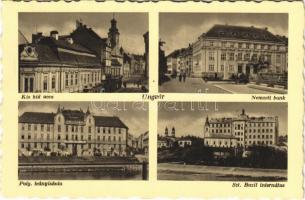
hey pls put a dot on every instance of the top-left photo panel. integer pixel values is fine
(83, 52)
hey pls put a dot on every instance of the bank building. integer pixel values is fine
(73, 132)
(227, 50)
(241, 131)
(77, 62)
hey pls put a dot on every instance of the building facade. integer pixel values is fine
(227, 50)
(74, 132)
(80, 61)
(241, 131)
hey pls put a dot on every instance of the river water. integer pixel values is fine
(80, 175)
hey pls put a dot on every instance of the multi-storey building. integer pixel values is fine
(146, 54)
(226, 50)
(76, 62)
(241, 131)
(74, 131)
(55, 64)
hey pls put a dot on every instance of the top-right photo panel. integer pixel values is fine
(245, 53)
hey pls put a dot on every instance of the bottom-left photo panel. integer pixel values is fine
(71, 140)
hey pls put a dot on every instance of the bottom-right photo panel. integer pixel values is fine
(222, 141)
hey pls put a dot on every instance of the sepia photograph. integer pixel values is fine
(245, 53)
(83, 52)
(222, 141)
(83, 141)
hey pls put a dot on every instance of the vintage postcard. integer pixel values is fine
(152, 100)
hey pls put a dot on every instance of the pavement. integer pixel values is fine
(198, 85)
(191, 85)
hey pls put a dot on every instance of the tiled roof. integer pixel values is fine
(73, 115)
(242, 32)
(70, 115)
(106, 121)
(47, 51)
(37, 118)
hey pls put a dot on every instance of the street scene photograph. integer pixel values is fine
(83, 52)
(83, 141)
(245, 53)
(222, 141)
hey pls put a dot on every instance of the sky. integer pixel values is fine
(131, 26)
(133, 114)
(180, 29)
(189, 117)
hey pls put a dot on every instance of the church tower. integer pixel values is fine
(166, 132)
(206, 128)
(173, 132)
(114, 37)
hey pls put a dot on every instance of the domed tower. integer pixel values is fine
(114, 36)
(173, 132)
(166, 132)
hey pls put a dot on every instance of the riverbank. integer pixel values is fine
(172, 171)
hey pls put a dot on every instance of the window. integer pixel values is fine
(247, 56)
(119, 131)
(239, 56)
(278, 59)
(22, 127)
(76, 79)
(211, 67)
(59, 128)
(81, 129)
(42, 127)
(67, 128)
(48, 127)
(67, 79)
(223, 56)
(108, 130)
(89, 137)
(53, 82)
(35, 127)
(231, 68)
(71, 79)
(104, 130)
(22, 145)
(231, 56)
(45, 83)
(247, 46)
(22, 137)
(109, 138)
(223, 44)
(58, 137)
(240, 45)
(89, 129)
(231, 45)
(67, 137)
(211, 56)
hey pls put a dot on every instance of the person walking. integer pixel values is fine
(184, 76)
(180, 76)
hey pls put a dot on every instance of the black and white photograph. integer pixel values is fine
(83, 141)
(245, 53)
(222, 141)
(83, 52)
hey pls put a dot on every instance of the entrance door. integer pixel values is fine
(240, 68)
(248, 70)
(74, 149)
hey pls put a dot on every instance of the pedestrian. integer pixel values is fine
(180, 76)
(184, 76)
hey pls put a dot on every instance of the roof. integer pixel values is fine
(89, 38)
(73, 115)
(115, 62)
(37, 118)
(48, 52)
(106, 121)
(242, 32)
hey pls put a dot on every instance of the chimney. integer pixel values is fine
(243, 112)
(54, 34)
(36, 37)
